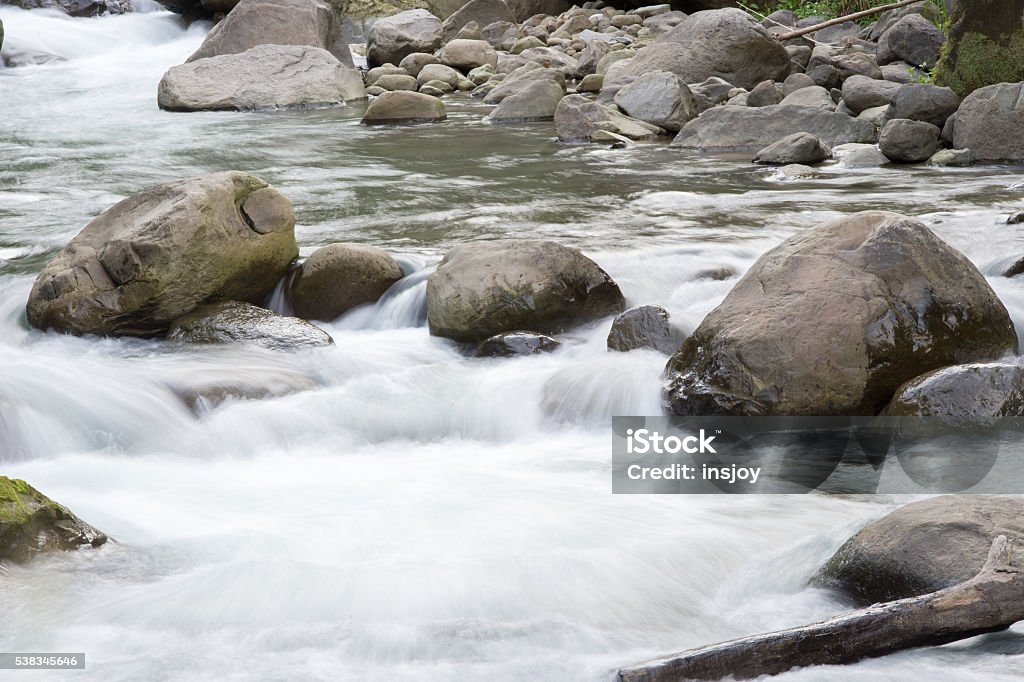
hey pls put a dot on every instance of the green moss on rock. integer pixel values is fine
(985, 46)
(31, 522)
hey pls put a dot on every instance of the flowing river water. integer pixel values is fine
(416, 515)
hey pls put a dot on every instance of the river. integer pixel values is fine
(419, 515)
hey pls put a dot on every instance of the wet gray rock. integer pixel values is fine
(501, 35)
(847, 293)
(439, 72)
(861, 92)
(338, 277)
(32, 524)
(393, 38)
(395, 81)
(905, 141)
(592, 54)
(414, 62)
(549, 57)
(646, 326)
(159, 254)
(235, 322)
(466, 55)
(726, 43)
(749, 129)
(922, 547)
(401, 107)
(513, 344)
(577, 119)
(795, 81)
(825, 75)
(924, 102)
(485, 288)
(963, 395)
(660, 98)
(522, 78)
(856, 63)
(912, 39)
(990, 122)
(265, 77)
(802, 148)
(537, 101)
(313, 23)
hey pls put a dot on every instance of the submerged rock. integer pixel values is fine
(31, 524)
(512, 344)
(265, 77)
(313, 23)
(922, 547)
(235, 322)
(485, 288)
(966, 395)
(835, 319)
(645, 326)
(339, 277)
(403, 107)
(161, 253)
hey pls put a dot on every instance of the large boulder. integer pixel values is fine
(524, 9)
(835, 318)
(912, 39)
(861, 92)
(265, 77)
(403, 107)
(726, 43)
(276, 22)
(485, 288)
(990, 122)
(393, 38)
(483, 12)
(974, 394)
(922, 547)
(578, 119)
(466, 55)
(338, 277)
(660, 98)
(235, 322)
(986, 46)
(31, 523)
(749, 129)
(923, 102)
(537, 101)
(161, 253)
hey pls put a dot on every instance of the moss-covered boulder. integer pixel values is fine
(32, 523)
(163, 252)
(985, 45)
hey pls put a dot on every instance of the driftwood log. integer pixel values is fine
(991, 601)
(842, 20)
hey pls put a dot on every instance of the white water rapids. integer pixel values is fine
(414, 515)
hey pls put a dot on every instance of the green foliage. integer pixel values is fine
(820, 8)
(979, 61)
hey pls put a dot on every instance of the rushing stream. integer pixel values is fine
(415, 515)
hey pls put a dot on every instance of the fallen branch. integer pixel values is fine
(991, 601)
(842, 20)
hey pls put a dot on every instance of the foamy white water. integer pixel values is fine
(414, 514)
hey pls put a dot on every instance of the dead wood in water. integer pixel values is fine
(991, 601)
